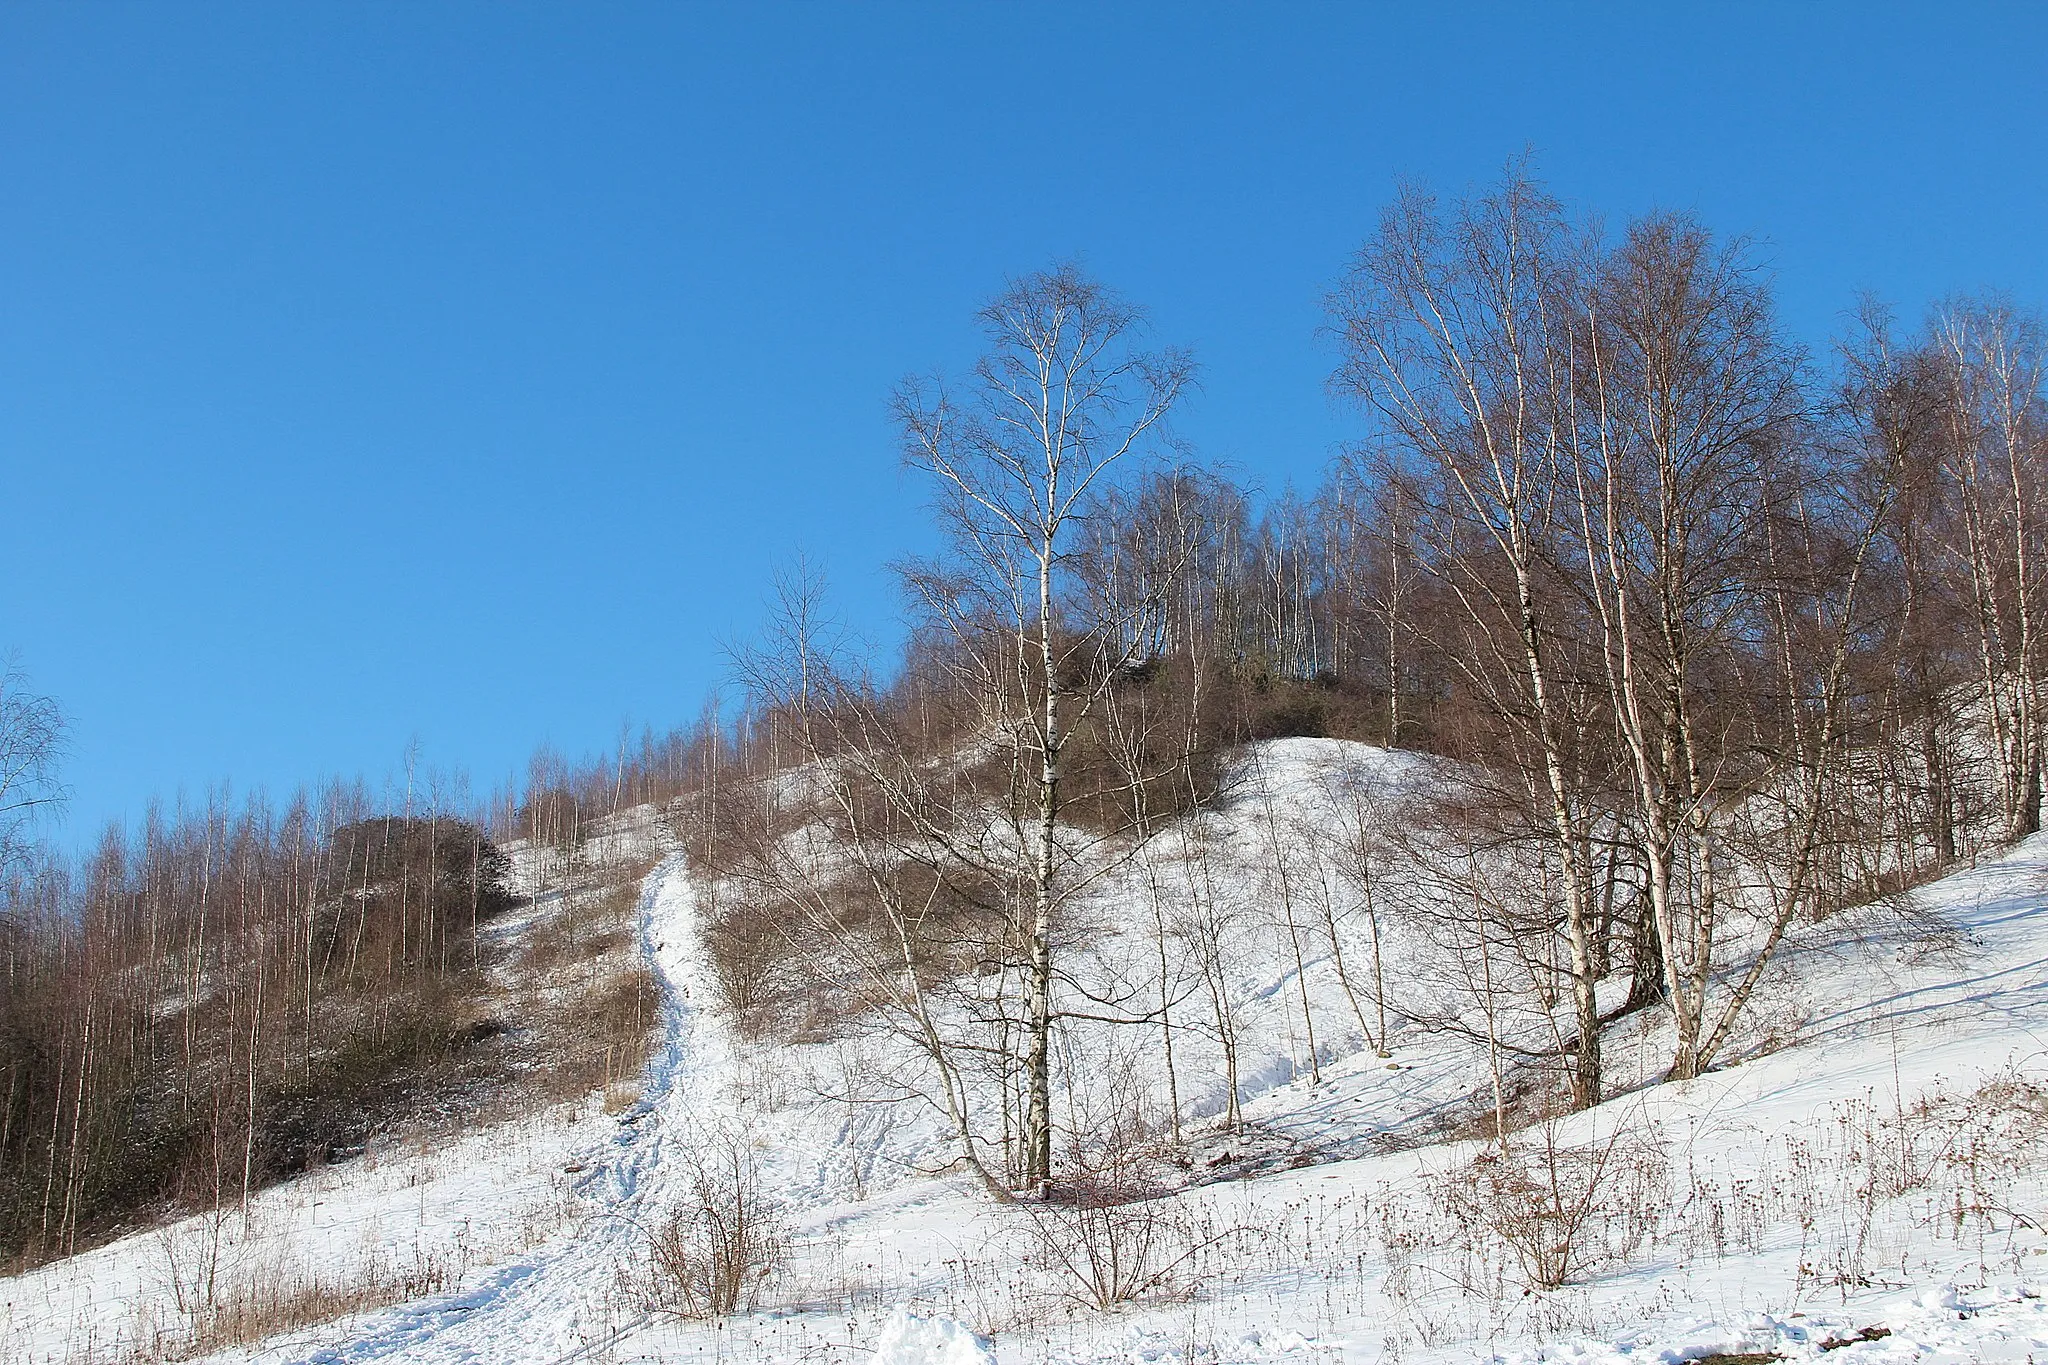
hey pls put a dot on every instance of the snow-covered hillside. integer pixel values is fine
(1869, 1185)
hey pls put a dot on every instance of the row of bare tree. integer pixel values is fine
(223, 997)
(1726, 637)
(1766, 633)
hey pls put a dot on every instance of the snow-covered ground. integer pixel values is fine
(1868, 1187)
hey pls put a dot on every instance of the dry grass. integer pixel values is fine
(259, 1308)
(211, 1309)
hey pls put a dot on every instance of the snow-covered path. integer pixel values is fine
(559, 1303)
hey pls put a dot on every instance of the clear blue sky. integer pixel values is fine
(462, 371)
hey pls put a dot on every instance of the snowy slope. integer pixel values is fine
(1880, 1171)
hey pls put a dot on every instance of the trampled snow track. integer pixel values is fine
(555, 1304)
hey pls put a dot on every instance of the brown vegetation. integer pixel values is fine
(227, 997)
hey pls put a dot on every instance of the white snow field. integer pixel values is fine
(1867, 1181)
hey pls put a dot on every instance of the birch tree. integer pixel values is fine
(1992, 358)
(31, 741)
(1062, 395)
(1726, 561)
(1450, 335)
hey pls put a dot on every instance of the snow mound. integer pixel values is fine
(908, 1339)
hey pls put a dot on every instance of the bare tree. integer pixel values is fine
(1059, 398)
(31, 742)
(1453, 335)
(859, 863)
(1888, 408)
(1687, 396)
(1992, 358)
(1354, 854)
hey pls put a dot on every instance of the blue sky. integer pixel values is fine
(460, 372)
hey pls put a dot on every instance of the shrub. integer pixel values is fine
(1112, 1243)
(1561, 1210)
(1293, 712)
(712, 1251)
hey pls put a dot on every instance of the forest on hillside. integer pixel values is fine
(1719, 636)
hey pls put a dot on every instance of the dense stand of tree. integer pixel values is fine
(224, 997)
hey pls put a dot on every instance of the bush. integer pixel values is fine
(367, 1080)
(712, 1251)
(600, 1036)
(1112, 1242)
(1291, 713)
(1561, 1210)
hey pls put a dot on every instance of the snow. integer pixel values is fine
(908, 1339)
(1852, 1190)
